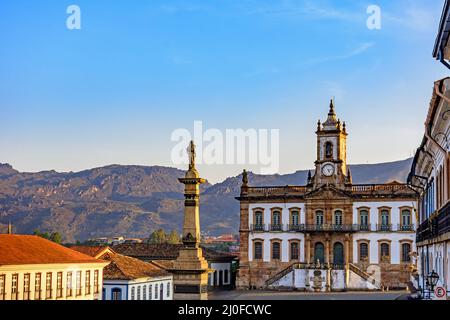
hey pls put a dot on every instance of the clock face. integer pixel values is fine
(328, 170)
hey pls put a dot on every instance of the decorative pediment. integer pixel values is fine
(328, 192)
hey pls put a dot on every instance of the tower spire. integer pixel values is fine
(10, 228)
(332, 112)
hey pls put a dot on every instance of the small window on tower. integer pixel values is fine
(328, 150)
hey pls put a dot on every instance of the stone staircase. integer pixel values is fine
(283, 273)
(364, 275)
(351, 268)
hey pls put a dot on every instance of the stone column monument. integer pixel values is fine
(190, 270)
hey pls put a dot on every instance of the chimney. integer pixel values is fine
(10, 228)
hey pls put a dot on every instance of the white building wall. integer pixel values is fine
(284, 236)
(217, 267)
(149, 284)
(395, 212)
(8, 271)
(395, 237)
(284, 214)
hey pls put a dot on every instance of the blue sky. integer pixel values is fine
(114, 91)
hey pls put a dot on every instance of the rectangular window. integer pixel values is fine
(156, 291)
(69, 284)
(2, 287)
(294, 251)
(48, 286)
(38, 286)
(144, 292)
(132, 293)
(168, 290)
(26, 286)
(14, 286)
(96, 286)
(59, 288)
(276, 251)
(78, 284)
(87, 282)
(139, 293)
(150, 293)
(258, 250)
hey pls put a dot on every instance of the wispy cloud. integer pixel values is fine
(353, 53)
(301, 8)
(413, 17)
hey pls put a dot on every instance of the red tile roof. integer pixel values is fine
(127, 268)
(165, 251)
(26, 249)
(93, 251)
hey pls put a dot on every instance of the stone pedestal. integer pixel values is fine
(190, 275)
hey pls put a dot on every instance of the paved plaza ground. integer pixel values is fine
(276, 295)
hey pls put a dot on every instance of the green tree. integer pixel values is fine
(174, 237)
(56, 237)
(158, 236)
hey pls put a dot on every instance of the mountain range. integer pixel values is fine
(133, 201)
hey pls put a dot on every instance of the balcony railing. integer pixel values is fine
(296, 227)
(405, 227)
(276, 227)
(384, 227)
(380, 187)
(258, 227)
(329, 227)
(432, 228)
(362, 227)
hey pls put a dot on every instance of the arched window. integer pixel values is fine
(406, 250)
(319, 218)
(338, 217)
(258, 250)
(116, 293)
(133, 293)
(168, 289)
(276, 218)
(258, 219)
(364, 220)
(363, 252)
(338, 253)
(156, 291)
(295, 218)
(276, 250)
(295, 250)
(328, 150)
(144, 292)
(385, 255)
(406, 220)
(384, 220)
(319, 251)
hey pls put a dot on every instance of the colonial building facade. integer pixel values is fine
(430, 173)
(33, 268)
(329, 234)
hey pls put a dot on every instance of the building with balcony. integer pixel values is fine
(328, 234)
(430, 174)
(33, 268)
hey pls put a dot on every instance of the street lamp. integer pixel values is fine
(432, 280)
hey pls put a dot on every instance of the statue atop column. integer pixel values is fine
(192, 155)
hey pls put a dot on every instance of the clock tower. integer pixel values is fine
(331, 163)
